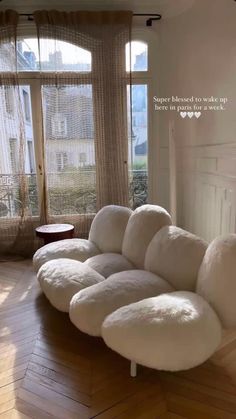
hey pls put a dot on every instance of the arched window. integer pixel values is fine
(138, 62)
(68, 122)
(67, 112)
(138, 55)
(145, 139)
(54, 56)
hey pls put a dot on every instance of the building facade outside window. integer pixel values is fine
(59, 125)
(9, 100)
(62, 161)
(26, 103)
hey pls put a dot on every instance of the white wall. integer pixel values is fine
(198, 57)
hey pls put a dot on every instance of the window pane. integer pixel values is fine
(26, 103)
(55, 56)
(70, 155)
(139, 144)
(138, 58)
(10, 175)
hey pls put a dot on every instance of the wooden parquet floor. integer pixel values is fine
(48, 369)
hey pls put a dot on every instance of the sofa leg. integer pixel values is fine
(133, 369)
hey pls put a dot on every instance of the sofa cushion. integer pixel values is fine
(90, 306)
(176, 255)
(60, 279)
(172, 332)
(217, 278)
(108, 228)
(78, 249)
(109, 263)
(142, 225)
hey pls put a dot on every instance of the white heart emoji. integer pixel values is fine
(190, 114)
(183, 114)
(197, 114)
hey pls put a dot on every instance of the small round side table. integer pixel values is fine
(53, 232)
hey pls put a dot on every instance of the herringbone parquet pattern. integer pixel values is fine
(48, 369)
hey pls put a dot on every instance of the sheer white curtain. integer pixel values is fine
(84, 107)
(84, 112)
(16, 225)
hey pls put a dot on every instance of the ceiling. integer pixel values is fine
(168, 8)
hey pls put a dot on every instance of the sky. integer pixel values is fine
(72, 54)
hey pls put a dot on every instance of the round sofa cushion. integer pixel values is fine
(90, 306)
(176, 255)
(60, 279)
(217, 278)
(109, 263)
(108, 228)
(78, 249)
(142, 225)
(172, 332)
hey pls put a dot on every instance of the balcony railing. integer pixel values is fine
(14, 189)
(71, 192)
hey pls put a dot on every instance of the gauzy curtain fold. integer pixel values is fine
(87, 115)
(16, 226)
(84, 82)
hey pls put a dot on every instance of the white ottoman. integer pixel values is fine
(90, 306)
(172, 332)
(60, 279)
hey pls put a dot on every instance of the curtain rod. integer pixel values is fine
(154, 16)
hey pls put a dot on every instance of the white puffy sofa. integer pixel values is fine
(118, 241)
(136, 282)
(182, 329)
(171, 262)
